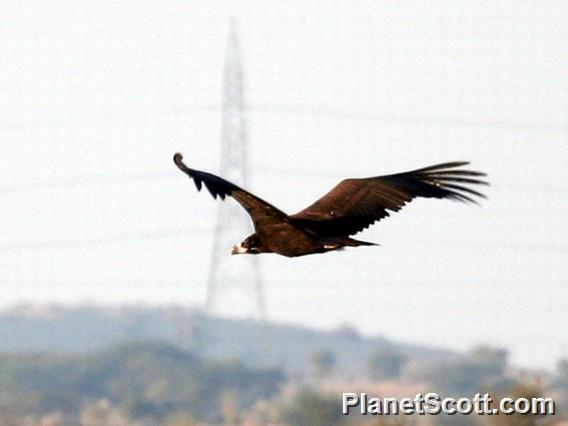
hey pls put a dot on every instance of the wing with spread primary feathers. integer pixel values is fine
(261, 212)
(355, 204)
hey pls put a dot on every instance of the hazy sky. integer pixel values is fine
(97, 96)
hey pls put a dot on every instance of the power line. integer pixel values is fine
(109, 120)
(402, 118)
(127, 178)
(116, 239)
(298, 111)
(87, 180)
(188, 233)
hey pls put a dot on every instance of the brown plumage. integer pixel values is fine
(350, 207)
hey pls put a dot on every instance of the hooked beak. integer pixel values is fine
(239, 250)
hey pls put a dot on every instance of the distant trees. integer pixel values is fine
(181, 419)
(561, 378)
(104, 414)
(230, 408)
(347, 332)
(142, 381)
(516, 419)
(559, 385)
(389, 421)
(492, 360)
(323, 361)
(481, 370)
(385, 363)
(310, 408)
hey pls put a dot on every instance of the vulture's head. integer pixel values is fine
(249, 245)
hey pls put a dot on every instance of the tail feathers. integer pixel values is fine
(338, 243)
(352, 242)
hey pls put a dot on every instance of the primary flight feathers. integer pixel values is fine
(351, 206)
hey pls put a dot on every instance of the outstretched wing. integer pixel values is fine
(261, 212)
(355, 204)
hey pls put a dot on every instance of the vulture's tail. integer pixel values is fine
(340, 242)
(352, 242)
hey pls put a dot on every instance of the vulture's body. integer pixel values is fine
(350, 207)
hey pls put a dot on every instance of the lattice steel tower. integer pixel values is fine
(231, 277)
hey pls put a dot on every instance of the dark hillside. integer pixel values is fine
(144, 380)
(85, 329)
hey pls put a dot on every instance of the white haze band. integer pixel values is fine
(433, 404)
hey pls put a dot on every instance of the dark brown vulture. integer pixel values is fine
(350, 207)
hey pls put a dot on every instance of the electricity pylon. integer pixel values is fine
(231, 275)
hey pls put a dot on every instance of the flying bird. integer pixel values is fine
(351, 206)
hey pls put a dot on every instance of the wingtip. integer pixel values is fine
(178, 160)
(460, 163)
